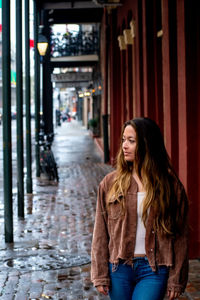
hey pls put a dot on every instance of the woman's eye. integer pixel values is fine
(130, 141)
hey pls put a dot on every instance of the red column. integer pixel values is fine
(135, 113)
(137, 55)
(105, 62)
(115, 88)
(134, 88)
(129, 82)
(123, 78)
(129, 74)
(182, 117)
(157, 46)
(144, 50)
(166, 78)
(170, 94)
(149, 59)
(123, 85)
(158, 84)
(182, 101)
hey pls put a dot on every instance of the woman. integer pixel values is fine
(140, 239)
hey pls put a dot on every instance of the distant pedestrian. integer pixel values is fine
(58, 116)
(140, 239)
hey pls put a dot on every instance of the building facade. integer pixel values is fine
(151, 67)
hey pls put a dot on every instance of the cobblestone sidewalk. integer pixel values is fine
(50, 258)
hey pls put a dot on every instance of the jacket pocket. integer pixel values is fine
(114, 210)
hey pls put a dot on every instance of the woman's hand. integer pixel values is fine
(173, 295)
(103, 289)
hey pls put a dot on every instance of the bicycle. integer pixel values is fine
(48, 164)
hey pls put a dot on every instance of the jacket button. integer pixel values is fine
(151, 250)
(153, 231)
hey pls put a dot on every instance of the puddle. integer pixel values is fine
(46, 262)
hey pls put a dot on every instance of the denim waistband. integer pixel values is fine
(133, 259)
(140, 258)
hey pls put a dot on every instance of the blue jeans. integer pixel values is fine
(138, 282)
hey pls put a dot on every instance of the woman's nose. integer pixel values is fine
(125, 144)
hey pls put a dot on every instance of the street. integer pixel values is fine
(54, 240)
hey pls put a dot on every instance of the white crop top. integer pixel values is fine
(141, 231)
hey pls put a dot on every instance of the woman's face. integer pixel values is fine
(129, 143)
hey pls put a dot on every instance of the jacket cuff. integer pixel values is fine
(102, 281)
(175, 288)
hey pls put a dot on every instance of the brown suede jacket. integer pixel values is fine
(114, 238)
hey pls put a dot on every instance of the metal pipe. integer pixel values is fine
(19, 98)
(7, 146)
(27, 98)
(47, 98)
(37, 90)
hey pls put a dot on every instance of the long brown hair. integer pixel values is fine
(153, 166)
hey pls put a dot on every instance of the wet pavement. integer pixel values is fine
(50, 258)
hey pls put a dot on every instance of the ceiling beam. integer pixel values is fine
(47, 4)
(90, 15)
(72, 64)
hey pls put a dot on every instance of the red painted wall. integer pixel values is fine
(165, 85)
(192, 42)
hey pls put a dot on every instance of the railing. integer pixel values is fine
(84, 43)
